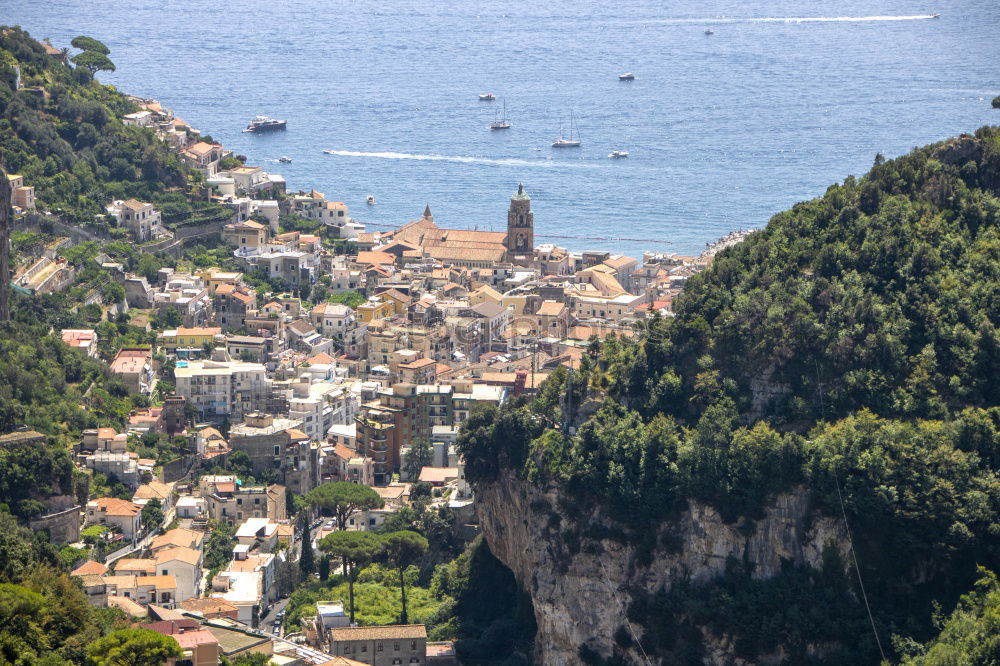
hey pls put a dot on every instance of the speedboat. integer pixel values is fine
(935, 16)
(618, 154)
(329, 152)
(627, 76)
(265, 124)
(487, 97)
(284, 160)
(709, 31)
(370, 199)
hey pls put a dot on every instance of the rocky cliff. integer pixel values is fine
(581, 579)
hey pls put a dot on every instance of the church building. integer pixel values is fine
(473, 248)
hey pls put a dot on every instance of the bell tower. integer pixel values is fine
(520, 224)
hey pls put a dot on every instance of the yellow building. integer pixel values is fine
(189, 338)
(373, 310)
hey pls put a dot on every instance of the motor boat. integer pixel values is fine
(265, 124)
(370, 200)
(284, 160)
(627, 76)
(618, 154)
(487, 97)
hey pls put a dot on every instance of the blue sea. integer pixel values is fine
(724, 130)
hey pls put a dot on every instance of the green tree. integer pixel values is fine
(342, 499)
(324, 568)
(85, 43)
(970, 636)
(402, 549)
(168, 317)
(996, 102)
(306, 559)
(421, 454)
(93, 62)
(149, 266)
(152, 514)
(133, 647)
(355, 549)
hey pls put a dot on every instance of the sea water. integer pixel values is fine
(724, 130)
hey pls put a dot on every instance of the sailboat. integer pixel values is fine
(564, 142)
(501, 122)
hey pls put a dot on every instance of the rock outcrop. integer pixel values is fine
(581, 582)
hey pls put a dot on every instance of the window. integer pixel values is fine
(277, 450)
(239, 502)
(256, 500)
(396, 647)
(164, 572)
(379, 648)
(364, 648)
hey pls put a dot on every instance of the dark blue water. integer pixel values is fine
(724, 130)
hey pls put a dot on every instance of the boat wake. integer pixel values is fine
(799, 19)
(455, 158)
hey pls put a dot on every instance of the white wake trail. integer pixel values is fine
(454, 158)
(797, 19)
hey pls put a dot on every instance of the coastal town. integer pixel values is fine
(315, 352)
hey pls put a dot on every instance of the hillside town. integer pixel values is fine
(308, 358)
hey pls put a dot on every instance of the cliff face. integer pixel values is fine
(582, 598)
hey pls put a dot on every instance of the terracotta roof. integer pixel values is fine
(201, 148)
(296, 434)
(131, 565)
(322, 359)
(419, 363)
(375, 257)
(207, 606)
(89, 568)
(438, 474)
(344, 452)
(378, 633)
(211, 433)
(180, 553)
(113, 506)
(619, 261)
(191, 639)
(127, 605)
(342, 661)
(225, 487)
(199, 330)
(152, 490)
(124, 582)
(159, 582)
(551, 308)
(178, 537)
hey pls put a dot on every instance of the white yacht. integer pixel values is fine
(627, 76)
(370, 199)
(501, 121)
(567, 142)
(487, 97)
(618, 154)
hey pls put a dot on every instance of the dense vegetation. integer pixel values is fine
(62, 131)
(45, 617)
(850, 348)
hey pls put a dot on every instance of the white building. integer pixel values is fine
(223, 388)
